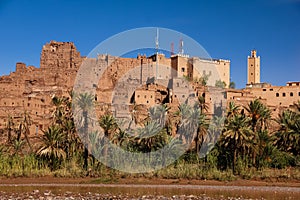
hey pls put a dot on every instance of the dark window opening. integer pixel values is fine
(283, 94)
(291, 94)
(277, 94)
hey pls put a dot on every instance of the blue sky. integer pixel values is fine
(226, 29)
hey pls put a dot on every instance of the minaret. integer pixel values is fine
(253, 68)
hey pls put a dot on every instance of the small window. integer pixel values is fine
(183, 96)
(271, 89)
(182, 69)
(138, 96)
(251, 74)
(145, 96)
(291, 94)
(297, 84)
(283, 94)
(277, 94)
(299, 94)
(251, 65)
(147, 101)
(151, 96)
(264, 89)
(28, 104)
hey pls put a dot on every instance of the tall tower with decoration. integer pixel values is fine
(253, 68)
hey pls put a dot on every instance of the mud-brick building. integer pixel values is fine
(30, 89)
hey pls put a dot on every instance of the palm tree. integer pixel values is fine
(52, 148)
(84, 102)
(202, 104)
(237, 136)
(288, 135)
(232, 109)
(9, 128)
(265, 147)
(201, 132)
(108, 123)
(24, 128)
(258, 113)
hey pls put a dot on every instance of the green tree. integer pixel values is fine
(52, 149)
(109, 125)
(232, 85)
(84, 102)
(220, 84)
(288, 134)
(237, 136)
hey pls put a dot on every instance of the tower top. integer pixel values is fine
(253, 53)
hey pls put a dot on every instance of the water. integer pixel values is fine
(132, 191)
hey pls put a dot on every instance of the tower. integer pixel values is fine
(253, 68)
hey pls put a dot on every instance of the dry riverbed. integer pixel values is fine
(143, 188)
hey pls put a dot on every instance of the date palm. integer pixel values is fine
(24, 127)
(84, 102)
(109, 125)
(288, 135)
(260, 116)
(237, 136)
(9, 127)
(52, 148)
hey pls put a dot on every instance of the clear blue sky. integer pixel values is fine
(226, 29)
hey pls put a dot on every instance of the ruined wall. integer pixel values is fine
(30, 89)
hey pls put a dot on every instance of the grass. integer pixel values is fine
(30, 166)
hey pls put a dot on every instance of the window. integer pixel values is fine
(277, 94)
(251, 74)
(299, 94)
(264, 89)
(145, 96)
(291, 94)
(138, 96)
(283, 94)
(182, 69)
(297, 84)
(271, 89)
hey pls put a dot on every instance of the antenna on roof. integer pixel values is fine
(156, 40)
(157, 47)
(181, 51)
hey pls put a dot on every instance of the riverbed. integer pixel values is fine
(144, 191)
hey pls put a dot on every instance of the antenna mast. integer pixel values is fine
(156, 47)
(181, 51)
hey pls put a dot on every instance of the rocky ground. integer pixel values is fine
(48, 195)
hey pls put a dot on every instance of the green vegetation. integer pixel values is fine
(246, 148)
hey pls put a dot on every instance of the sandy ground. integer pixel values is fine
(150, 181)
